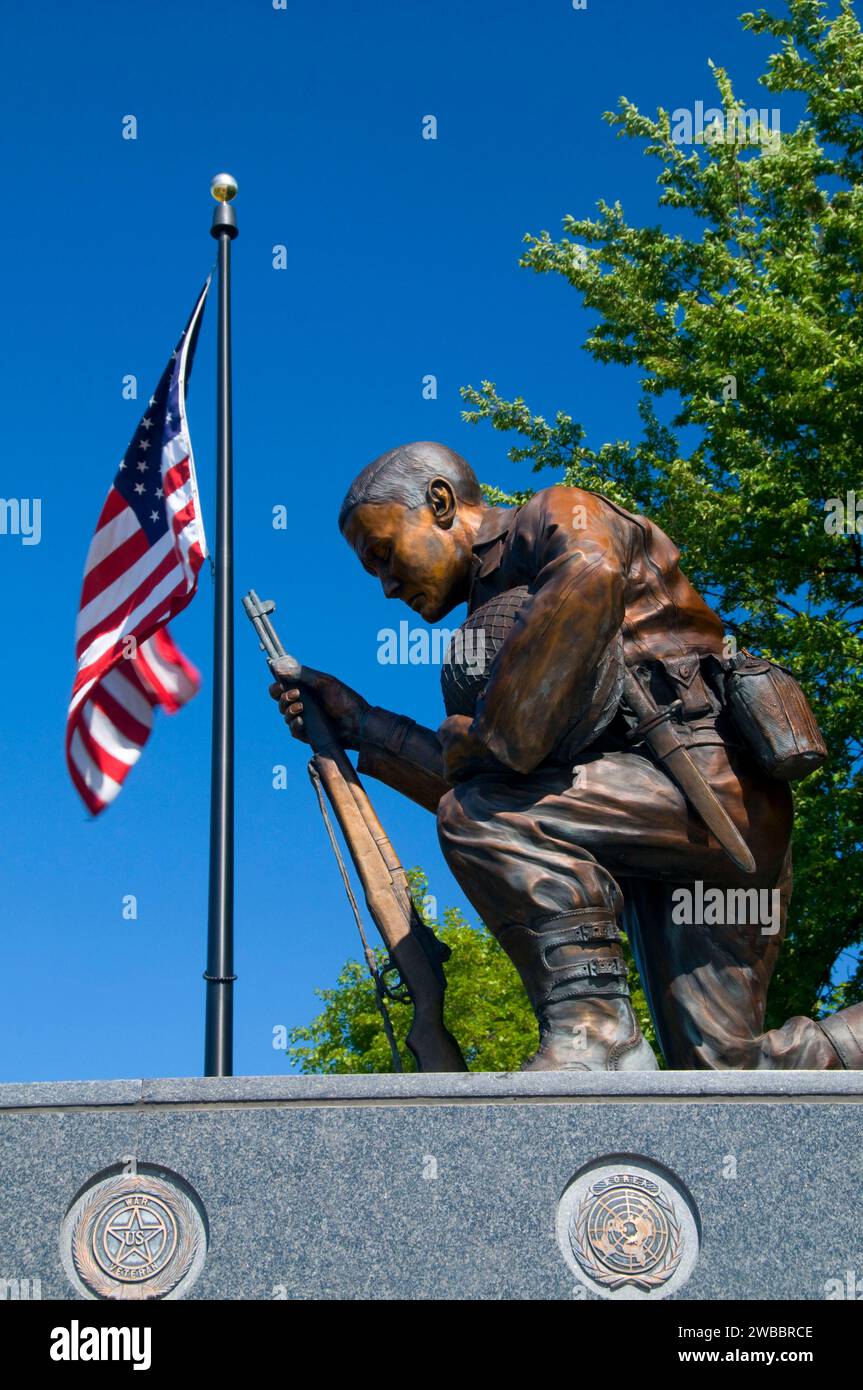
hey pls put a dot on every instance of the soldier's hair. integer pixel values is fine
(403, 475)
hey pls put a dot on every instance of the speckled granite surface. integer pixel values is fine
(429, 1187)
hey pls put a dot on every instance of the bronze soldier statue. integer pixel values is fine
(554, 853)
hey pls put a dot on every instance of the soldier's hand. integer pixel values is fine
(343, 705)
(464, 756)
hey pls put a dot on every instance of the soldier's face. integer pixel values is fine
(416, 559)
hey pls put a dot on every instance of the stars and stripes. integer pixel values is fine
(142, 569)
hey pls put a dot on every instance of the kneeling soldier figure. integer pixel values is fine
(554, 851)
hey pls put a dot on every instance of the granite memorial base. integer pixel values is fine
(687, 1185)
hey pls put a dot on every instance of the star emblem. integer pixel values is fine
(134, 1237)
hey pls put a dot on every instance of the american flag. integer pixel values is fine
(142, 569)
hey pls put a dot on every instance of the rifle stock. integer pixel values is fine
(413, 948)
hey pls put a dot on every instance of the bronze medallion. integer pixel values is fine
(625, 1232)
(137, 1236)
(628, 1230)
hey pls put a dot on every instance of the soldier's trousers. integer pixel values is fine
(615, 832)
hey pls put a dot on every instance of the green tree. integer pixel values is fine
(743, 310)
(486, 1008)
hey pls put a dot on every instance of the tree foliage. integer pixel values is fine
(741, 313)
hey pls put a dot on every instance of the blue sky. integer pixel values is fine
(401, 261)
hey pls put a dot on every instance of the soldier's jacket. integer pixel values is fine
(592, 569)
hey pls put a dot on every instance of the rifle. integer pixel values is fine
(414, 951)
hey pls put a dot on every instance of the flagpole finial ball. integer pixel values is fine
(223, 188)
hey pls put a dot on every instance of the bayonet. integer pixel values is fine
(656, 728)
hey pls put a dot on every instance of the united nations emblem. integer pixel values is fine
(136, 1236)
(628, 1230)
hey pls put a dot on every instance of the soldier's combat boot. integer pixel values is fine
(573, 970)
(844, 1031)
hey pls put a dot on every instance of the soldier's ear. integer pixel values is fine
(442, 500)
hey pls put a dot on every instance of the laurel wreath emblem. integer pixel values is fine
(159, 1284)
(612, 1278)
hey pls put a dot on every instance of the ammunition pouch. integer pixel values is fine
(686, 675)
(687, 690)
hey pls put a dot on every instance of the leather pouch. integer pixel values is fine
(774, 717)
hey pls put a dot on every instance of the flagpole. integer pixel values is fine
(219, 975)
